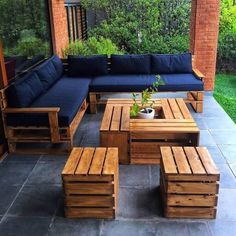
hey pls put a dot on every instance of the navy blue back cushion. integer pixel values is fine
(130, 64)
(80, 66)
(171, 63)
(24, 91)
(47, 73)
(58, 66)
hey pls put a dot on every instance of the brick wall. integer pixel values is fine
(204, 37)
(59, 26)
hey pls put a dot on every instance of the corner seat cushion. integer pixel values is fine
(49, 71)
(130, 64)
(67, 93)
(121, 83)
(181, 82)
(24, 91)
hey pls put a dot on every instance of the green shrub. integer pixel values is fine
(30, 45)
(92, 46)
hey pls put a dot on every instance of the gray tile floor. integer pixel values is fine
(31, 200)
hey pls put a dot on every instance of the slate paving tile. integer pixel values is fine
(216, 155)
(14, 173)
(25, 226)
(7, 195)
(170, 228)
(139, 203)
(54, 158)
(21, 158)
(46, 173)
(224, 136)
(229, 152)
(219, 124)
(227, 178)
(233, 168)
(200, 123)
(78, 227)
(222, 227)
(226, 209)
(131, 228)
(134, 175)
(213, 112)
(38, 200)
(155, 176)
(198, 228)
(206, 138)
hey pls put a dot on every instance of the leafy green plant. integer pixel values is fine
(146, 96)
(92, 46)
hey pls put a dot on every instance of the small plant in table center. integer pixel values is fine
(146, 96)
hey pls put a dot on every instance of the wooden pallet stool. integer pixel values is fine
(91, 182)
(188, 182)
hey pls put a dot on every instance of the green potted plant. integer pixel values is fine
(144, 109)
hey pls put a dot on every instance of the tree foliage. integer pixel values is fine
(143, 26)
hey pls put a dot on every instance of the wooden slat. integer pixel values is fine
(207, 161)
(125, 119)
(85, 160)
(183, 108)
(116, 118)
(168, 161)
(72, 161)
(166, 109)
(175, 109)
(106, 121)
(194, 161)
(110, 161)
(98, 160)
(181, 161)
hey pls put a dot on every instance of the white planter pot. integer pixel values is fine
(149, 115)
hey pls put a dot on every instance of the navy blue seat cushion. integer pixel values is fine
(171, 63)
(67, 93)
(80, 66)
(49, 72)
(181, 82)
(121, 83)
(24, 91)
(130, 64)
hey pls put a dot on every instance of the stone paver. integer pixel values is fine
(32, 198)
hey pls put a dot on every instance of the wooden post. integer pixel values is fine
(3, 74)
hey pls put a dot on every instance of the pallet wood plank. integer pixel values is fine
(85, 160)
(168, 161)
(97, 162)
(111, 159)
(166, 109)
(116, 119)
(185, 112)
(194, 161)
(106, 120)
(125, 119)
(181, 161)
(72, 161)
(175, 108)
(207, 161)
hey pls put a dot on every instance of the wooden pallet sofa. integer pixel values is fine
(44, 106)
(133, 73)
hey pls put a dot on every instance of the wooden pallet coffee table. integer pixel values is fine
(139, 140)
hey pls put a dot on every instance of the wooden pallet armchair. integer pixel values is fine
(52, 134)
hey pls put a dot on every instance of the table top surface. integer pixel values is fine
(91, 161)
(188, 161)
(174, 116)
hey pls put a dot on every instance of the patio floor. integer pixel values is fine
(31, 200)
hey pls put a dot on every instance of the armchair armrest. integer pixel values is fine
(32, 110)
(198, 73)
(52, 117)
